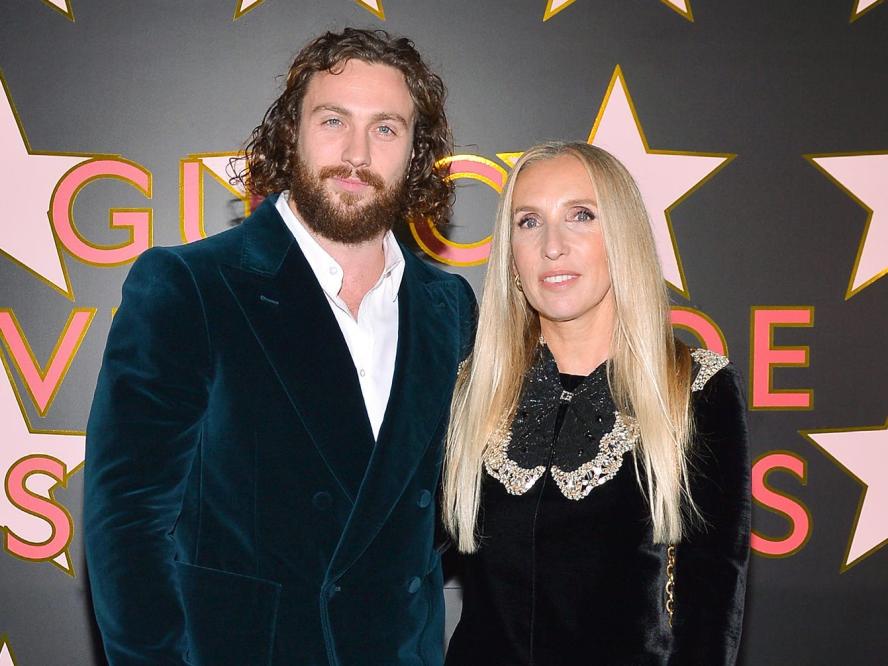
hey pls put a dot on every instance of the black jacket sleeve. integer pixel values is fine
(711, 561)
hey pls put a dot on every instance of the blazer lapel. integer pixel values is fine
(291, 318)
(425, 369)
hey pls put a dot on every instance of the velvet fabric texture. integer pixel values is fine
(237, 509)
(579, 581)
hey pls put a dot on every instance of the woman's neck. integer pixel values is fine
(578, 347)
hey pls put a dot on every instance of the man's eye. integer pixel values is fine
(385, 130)
(332, 122)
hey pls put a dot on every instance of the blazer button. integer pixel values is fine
(322, 500)
(413, 585)
(425, 498)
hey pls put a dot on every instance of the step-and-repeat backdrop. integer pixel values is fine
(758, 132)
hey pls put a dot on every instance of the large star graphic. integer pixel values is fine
(862, 453)
(373, 6)
(861, 7)
(63, 7)
(665, 177)
(683, 7)
(863, 176)
(17, 441)
(26, 188)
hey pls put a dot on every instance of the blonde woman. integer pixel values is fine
(597, 470)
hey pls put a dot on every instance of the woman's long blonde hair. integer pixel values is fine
(648, 370)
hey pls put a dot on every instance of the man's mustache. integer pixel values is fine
(363, 174)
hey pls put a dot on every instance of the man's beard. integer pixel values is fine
(344, 221)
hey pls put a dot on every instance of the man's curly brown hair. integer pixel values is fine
(271, 151)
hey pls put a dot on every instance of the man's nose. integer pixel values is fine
(357, 149)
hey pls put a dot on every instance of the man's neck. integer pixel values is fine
(361, 263)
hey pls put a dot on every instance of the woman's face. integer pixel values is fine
(558, 244)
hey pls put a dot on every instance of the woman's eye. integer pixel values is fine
(528, 222)
(584, 215)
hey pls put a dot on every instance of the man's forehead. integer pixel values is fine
(359, 87)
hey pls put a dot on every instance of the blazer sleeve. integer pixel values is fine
(468, 322)
(143, 431)
(711, 561)
(468, 318)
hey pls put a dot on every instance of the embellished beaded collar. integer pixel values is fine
(594, 435)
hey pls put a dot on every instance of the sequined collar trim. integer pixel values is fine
(542, 395)
(538, 404)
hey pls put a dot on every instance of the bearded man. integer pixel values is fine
(265, 439)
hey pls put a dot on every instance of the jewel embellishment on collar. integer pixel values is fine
(574, 485)
(516, 479)
(622, 438)
(605, 465)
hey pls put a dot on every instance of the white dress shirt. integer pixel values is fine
(372, 338)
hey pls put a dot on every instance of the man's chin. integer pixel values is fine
(348, 203)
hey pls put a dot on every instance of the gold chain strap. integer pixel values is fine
(670, 582)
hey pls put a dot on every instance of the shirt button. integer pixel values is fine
(333, 270)
(425, 498)
(362, 373)
(413, 585)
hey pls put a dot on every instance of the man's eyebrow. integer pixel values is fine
(383, 115)
(390, 115)
(331, 107)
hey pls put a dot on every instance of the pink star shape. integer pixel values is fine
(29, 180)
(18, 441)
(683, 7)
(863, 455)
(243, 6)
(63, 7)
(863, 177)
(861, 7)
(664, 177)
(7, 658)
(372, 6)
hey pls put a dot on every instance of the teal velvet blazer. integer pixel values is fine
(237, 510)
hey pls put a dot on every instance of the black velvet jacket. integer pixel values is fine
(567, 572)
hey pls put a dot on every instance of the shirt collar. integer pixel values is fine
(326, 269)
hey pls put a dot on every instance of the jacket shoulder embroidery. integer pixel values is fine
(710, 363)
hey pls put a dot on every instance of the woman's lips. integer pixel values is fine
(559, 279)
